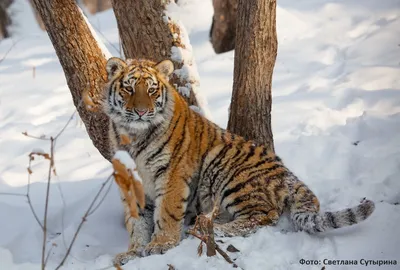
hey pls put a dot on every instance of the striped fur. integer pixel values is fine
(188, 164)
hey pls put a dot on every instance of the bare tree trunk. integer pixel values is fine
(82, 60)
(223, 28)
(5, 19)
(146, 32)
(255, 54)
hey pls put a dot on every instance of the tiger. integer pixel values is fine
(188, 165)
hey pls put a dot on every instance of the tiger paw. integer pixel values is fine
(159, 245)
(124, 257)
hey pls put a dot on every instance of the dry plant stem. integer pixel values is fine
(9, 50)
(66, 124)
(46, 206)
(204, 225)
(87, 213)
(48, 254)
(44, 138)
(29, 197)
(226, 256)
(203, 239)
(12, 194)
(102, 199)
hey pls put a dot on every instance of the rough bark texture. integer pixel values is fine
(94, 6)
(255, 54)
(5, 19)
(82, 61)
(223, 28)
(145, 34)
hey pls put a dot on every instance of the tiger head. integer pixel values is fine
(137, 92)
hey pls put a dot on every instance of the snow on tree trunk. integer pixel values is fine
(148, 31)
(83, 60)
(255, 54)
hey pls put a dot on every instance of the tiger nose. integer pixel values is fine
(140, 112)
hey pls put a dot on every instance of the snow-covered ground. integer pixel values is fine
(336, 124)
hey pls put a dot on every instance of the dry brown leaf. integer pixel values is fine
(130, 187)
(88, 101)
(45, 155)
(118, 267)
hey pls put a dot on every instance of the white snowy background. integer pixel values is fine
(336, 124)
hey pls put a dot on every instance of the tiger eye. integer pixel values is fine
(152, 90)
(129, 89)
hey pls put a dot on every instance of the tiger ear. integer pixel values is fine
(165, 67)
(114, 66)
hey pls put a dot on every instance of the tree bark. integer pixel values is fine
(5, 19)
(255, 55)
(82, 60)
(223, 28)
(146, 32)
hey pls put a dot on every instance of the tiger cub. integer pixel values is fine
(188, 164)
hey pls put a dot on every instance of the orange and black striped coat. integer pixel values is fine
(188, 164)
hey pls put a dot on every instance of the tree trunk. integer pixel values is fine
(147, 32)
(5, 19)
(82, 60)
(223, 28)
(255, 54)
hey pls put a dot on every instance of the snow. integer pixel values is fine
(128, 162)
(335, 117)
(125, 159)
(99, 42)
(188, 72)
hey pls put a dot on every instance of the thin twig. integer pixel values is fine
(98, 31)
(226, 256)
(102, 199)
(48, 253)
(28, 197)
(46, 206)
(42, 137)
(9, 50)
(84, 218)
(12, 194)
(63, 222)
(66, 125)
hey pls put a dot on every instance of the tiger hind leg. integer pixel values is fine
(247, 224)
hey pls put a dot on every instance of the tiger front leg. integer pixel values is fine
(139, 230)
(170, 207)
